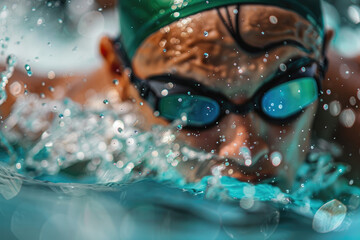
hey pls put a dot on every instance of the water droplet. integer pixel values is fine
(101, 115)
(61, 116)
(347, 118)
(352, 101)
(326, 107)
(51, 75)
(206, 55)
(120, 130)
(206, 33)
(329, 217)
(51, 89)
(164, 92)
(28, 70)
(156, 113)
(40, 21)
(328, 92)
(283, 67)
(335, 108)
(116, 82)
(354, 13)
(273, 19)
(106, 101)
(276, 158)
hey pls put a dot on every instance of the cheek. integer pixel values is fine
(293, 140)
(146, 118)
(204, 140)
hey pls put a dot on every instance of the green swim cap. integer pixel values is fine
(140, 18)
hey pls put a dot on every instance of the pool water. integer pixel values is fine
(68, 172)
(93, 174)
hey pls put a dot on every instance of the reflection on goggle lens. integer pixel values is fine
(280, 102)
(194, 110)
(289, 98)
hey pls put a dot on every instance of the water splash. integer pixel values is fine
(63, 138)
(5, 76)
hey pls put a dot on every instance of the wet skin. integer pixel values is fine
(185, 46)
(232, 71)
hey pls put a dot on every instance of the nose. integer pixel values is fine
(241, 139)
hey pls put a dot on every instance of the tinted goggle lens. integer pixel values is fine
(289, 98)
(280, 102)
(193, 109)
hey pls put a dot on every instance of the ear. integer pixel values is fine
(328, 37)
(108, 52)
(114, 66)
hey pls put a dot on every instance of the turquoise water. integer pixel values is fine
(133, 189)
(93, 174)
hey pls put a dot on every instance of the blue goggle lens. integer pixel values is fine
(193, 109)
(289, 98)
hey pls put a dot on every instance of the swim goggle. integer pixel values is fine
(279, 100)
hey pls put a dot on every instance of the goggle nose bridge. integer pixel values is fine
(240, 109)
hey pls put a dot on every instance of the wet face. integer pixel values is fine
(202, 48)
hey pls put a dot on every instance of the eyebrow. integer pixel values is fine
(235, 33)
(293, 64)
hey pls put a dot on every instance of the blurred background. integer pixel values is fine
(63, 35)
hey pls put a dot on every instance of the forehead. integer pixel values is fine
(202, 47)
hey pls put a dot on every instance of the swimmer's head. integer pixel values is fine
(235, 58)
(139, 19)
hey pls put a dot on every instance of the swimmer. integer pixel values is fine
(245, 77)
